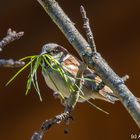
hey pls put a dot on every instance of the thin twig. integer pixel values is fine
(93, 60)
(10, 37)
(11, 63)
(87, 29)
(125, 78)
(74, 96)
(49, 123)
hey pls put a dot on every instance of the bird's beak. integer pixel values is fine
(58, 56)
(43, 52)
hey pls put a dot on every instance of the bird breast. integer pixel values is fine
(55, 82)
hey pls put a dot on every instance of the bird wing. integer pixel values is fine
(71, 64)
(92, 80)
(97, 85)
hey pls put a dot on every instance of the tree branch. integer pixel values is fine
(92, 59)
(49, 123)
(10, 37)
(11, 63)
(87, 29)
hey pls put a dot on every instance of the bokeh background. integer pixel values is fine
(116, 28)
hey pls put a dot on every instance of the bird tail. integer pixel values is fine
(107, 94)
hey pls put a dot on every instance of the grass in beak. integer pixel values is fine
(34, 62)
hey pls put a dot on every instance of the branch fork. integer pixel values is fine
(10, 37)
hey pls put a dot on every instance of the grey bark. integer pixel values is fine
(49, 123)
(10, 37)
(11, 63)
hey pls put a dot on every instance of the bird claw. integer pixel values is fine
(56, 95)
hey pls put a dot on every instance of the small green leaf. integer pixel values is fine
(27, 57)
(23, 68)
(29, 81)
(34, 76)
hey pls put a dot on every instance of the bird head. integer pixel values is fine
(55, 50)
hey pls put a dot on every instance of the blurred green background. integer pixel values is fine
(116, 27)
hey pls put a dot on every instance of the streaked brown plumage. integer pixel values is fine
(95, 89)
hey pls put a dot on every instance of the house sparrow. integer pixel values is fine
(94, 89)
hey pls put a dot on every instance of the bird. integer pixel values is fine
(94, 88)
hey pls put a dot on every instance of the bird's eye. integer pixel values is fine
(52, 52)
(56, 51)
